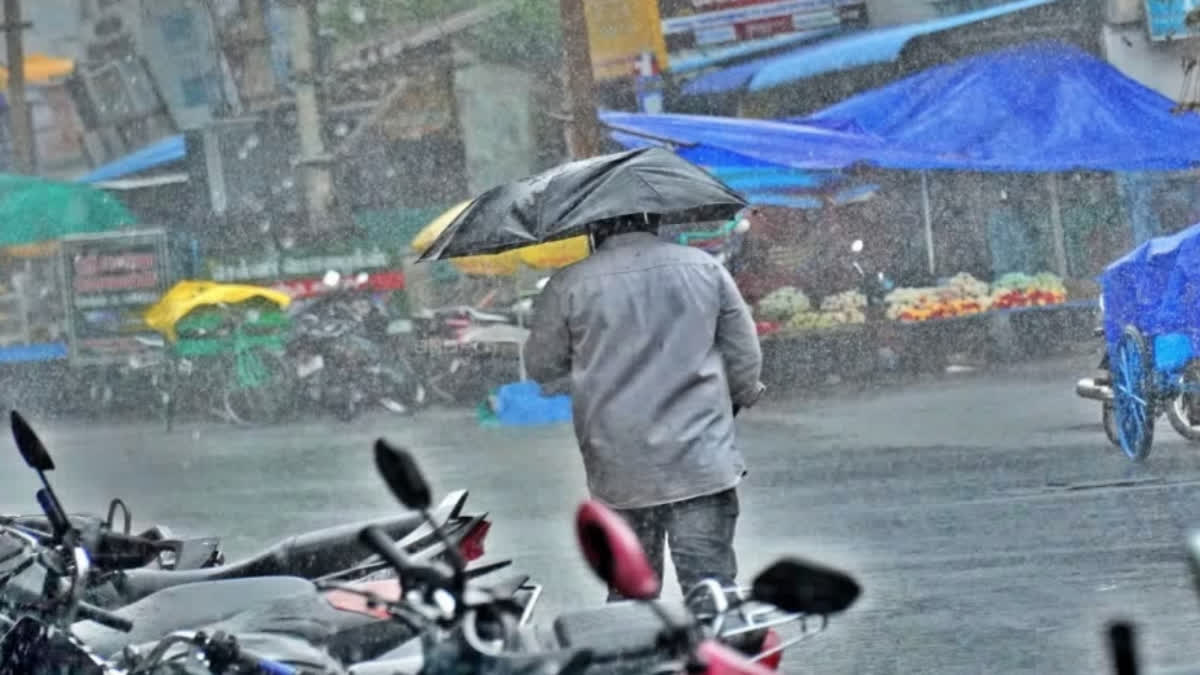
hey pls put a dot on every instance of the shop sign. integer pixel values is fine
(1172, 19)
(110, 280)
(620, 32)
(693, 24)
(302, 276)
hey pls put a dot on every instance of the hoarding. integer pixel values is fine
(620, 32)
(623, 31)
(1172, 19)
(109, 281)
(690, 25)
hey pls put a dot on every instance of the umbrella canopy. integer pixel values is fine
(33, 210)
(542, 256)
(566, 200)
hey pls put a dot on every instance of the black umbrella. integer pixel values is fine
(564, 201)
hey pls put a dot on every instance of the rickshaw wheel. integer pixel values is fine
(1133, 402)
(1178, 409)
(1109, 419)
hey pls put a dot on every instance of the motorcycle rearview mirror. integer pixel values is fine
(403, 476)
(805, 588)
(1193, 546)
(1122, 648)
(30, 446)
(857, 246)
(614, 552)
(38, 458)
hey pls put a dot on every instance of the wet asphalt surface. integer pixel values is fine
(991, 524)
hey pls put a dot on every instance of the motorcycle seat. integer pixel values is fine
(187, 606)
(307, 555)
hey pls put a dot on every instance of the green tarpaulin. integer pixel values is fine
(34, 210)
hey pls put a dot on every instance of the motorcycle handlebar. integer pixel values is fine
(104, 617)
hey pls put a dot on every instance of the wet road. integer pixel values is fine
(993, 527)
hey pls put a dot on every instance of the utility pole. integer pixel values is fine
(315, 164)
(583, 130)
(18, 109)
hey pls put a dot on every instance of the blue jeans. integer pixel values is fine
(700, 533)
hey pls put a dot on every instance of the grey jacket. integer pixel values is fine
(658, 345)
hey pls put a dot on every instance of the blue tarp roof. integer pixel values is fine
(732, 141)
(165, 151)
(1043, 106)
(762, 183)
(1150, 287)
(1036, 107)
(864, 48)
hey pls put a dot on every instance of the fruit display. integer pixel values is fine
(812, 321)
(845, 307)
(961, 295)
(1023, 290)
(967, 286)
(782, 304)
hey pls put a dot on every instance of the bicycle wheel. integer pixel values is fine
(1182, 409)
(1133, 402)
(259, 388)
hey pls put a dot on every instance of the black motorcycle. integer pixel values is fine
(343, 363)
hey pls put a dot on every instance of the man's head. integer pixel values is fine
(637, 222)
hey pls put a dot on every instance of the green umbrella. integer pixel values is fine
(34, 210)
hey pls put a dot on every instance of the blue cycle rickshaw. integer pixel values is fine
(1151, 304)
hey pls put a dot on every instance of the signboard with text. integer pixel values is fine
(704, 24)
(109, 281)
(1172, 19)
(624, 32)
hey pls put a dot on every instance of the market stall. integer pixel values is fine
(1013, 122)
(35, 215)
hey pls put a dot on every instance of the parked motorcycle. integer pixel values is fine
(461, 352)
(874, 286)
(127, 568)
(59, 627)
(339, 351)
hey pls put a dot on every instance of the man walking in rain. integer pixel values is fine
(659, 347)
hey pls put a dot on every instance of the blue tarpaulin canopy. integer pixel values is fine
(708, 142)
(1038, 107)
(1154, 288)
(731, 141)
(864, 48)
(165, 151)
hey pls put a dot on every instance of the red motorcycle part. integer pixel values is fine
(721, 660)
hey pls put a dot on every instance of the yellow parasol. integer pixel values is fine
(40, 68)
(550, 255)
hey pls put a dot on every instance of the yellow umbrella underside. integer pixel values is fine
(550, 255)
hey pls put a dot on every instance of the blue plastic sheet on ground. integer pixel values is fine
(522, 404)
(1155, 288)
